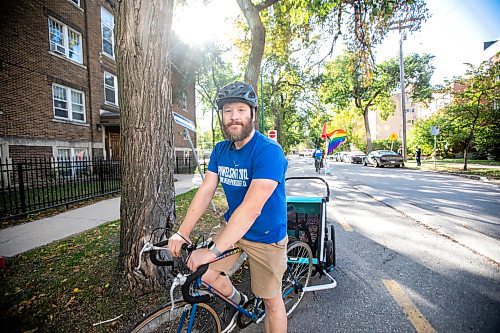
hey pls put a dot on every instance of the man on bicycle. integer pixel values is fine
(318, 158)
(252, 170)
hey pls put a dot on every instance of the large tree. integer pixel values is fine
(344, 82)
(143, 34)
(474, 112)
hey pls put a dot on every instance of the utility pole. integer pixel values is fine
(402, 83)
(402, 35)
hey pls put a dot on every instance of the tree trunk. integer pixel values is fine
(466, 150)
(143, 33)
(367, 130)
(258, 43)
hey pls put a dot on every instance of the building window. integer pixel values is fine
(71, 162)
(78, 154)
(68, 103)
(107, 26)
(110, 89)
(76, 2)
(183, 101)
(65, 41)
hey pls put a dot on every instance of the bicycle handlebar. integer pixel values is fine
(154, 249)
(187, 286)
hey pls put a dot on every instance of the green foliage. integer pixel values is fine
(471, 121)
(385, 144)
(474, 114)
(350, 121)
(420, 135)
(344, 82)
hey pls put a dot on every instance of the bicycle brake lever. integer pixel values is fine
(147, 247)
(178, 281)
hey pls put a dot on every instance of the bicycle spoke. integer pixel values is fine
(168, 320)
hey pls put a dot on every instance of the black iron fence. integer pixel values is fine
(33, 185)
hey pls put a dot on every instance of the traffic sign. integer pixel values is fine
(435, 130)
(393, 136)
(273, 134)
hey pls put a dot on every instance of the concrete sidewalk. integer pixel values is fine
(27, 236)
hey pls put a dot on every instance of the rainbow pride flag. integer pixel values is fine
(336, 138)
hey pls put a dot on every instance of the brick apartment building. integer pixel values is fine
(58, 84)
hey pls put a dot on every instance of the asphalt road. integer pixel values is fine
(466, 202)
(394, 273)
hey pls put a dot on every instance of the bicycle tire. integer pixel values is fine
(297, 275)
(167, 320)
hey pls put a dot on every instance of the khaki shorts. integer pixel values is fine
(267, 262)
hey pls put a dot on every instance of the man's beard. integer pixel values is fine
(244, 132)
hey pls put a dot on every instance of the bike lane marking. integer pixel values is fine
(412, 312)
(342, 221)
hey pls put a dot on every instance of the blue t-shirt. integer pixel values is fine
(260, 158)
(318, 153)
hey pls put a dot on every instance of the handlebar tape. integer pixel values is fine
(158, 262)
(187, 285)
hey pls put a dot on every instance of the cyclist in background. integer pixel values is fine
(251, 168)
(318, 158)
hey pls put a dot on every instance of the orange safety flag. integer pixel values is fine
(323, 133)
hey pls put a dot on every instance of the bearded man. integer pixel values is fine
(251, 169)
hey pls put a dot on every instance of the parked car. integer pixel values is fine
(381, 158)
(306, 153)
(355, 157)
(341, 156)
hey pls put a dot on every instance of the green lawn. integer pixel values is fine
(60, 195)
(70, 285)
(474, 168)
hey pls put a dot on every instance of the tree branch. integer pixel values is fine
(265, 4)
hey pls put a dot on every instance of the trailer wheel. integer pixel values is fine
(330, 249)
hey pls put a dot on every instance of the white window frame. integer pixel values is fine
(72, 163)
(75, 2)
(115, 88)
(64, 49)
(104, 11)
(69, 104)
(183, 102)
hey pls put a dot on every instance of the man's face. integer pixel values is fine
(237, 120)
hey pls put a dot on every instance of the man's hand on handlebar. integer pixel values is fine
(175, 243)
(200, 257)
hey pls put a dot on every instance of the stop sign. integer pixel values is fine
(273, 134)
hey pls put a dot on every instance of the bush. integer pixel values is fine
(385, 144)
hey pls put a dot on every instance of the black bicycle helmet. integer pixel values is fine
(237, 92)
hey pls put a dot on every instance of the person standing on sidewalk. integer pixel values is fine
(251, 168)
(418, 153)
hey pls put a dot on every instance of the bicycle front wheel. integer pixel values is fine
(167, 319)
(297, 275)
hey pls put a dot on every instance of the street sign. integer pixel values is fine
(393, 136)
(184, 122)
(273, 134)
(435, 130)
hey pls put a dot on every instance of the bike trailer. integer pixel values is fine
(307, 223)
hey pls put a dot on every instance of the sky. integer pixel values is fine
(454, 33)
